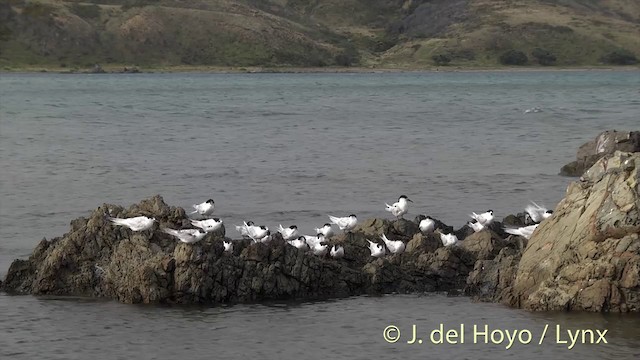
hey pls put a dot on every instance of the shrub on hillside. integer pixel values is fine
(620, 57)
(513, 57)
(86, 11)
(441, 59)
(347, 57)
(37, 10)
(544, 57)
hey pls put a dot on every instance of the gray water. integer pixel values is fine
(288, 149)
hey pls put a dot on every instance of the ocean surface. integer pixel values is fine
(291, 148)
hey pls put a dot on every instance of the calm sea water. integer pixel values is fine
(288, 149)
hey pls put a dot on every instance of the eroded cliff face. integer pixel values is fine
(585, 257)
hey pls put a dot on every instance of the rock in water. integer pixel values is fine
(605, 143)
(587, 255)
(97, 259)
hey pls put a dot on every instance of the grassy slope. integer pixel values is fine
(381, 33)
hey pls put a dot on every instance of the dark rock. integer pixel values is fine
(491, 280)
(605, 143)
(464, 232)
(98, 259)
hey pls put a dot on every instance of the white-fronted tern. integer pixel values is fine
(208, 225)
(376, 249)
(485, 218)
(205, 209)
(448, 239)
(538, 213)
(325, 230)
(427, 224)
(299, 243)
(525, 231)
(476, 226)
(288, 233)
(228, 246)
(399, 208)
(188, 236)
(138, 223)
(319, 249)
(337, 252)
(395, 247)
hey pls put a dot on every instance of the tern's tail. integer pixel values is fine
(513, 231)
(170, 231)
(385, 239)
(536, 205)
(116, 221)
(334, 219)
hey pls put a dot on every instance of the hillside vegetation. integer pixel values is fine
(405, 34)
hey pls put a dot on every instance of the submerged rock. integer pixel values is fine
(605, 143)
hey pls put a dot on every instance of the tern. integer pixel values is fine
(427, 224)
(399, 208)
(208, 225)
(476, 226)
(313, 240)
(138, 223)
(243, 229)
(395, 247)
(337, 252)
(320, 250)
(288, 233)
(299, 243)
(205, 209)
(485, 218)
(448, 239)
(325, 230)
(257, 232)
(345, 223)
(537, 213)
(376, 249)
(525, 231)
(265, 239)
(228, 246)
(188, 236)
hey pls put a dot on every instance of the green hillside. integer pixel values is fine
(318, 33)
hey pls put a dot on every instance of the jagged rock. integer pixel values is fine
(491, 280)
(605, 143)
(98, 259)
(586, 256)
(423, 243)
(484, 244)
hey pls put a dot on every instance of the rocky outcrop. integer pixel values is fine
(605, 143)
(98, 259)
(585, 257)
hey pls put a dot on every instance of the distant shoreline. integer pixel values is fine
(128, 69)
